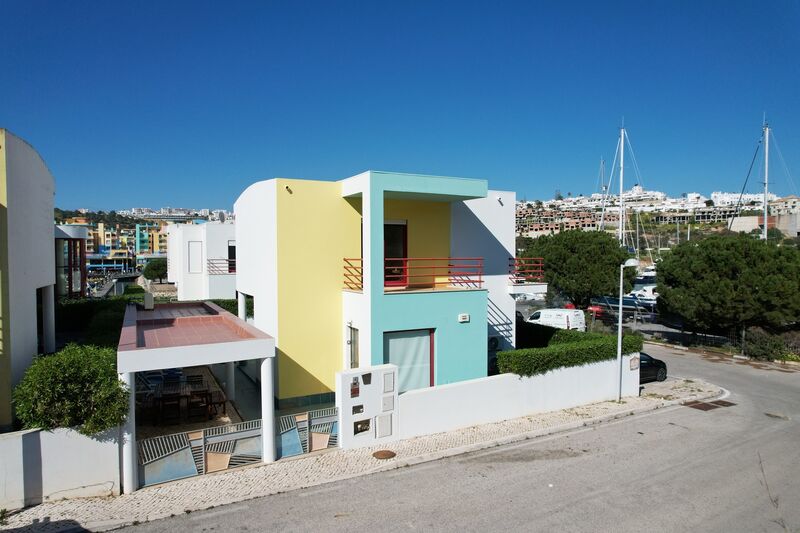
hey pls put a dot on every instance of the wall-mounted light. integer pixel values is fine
(500, 200)
(289, 190)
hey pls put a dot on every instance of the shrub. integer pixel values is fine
(232, 306)
(77, 387)
(95, 322)
(566, 349)
(133, 289)
(155, 269)
(760, 344)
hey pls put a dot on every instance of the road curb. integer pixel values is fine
(107, 525)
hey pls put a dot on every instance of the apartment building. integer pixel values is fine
(401, 268)
(27, 257)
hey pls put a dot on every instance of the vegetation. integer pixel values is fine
(725, 282)
(96, 322)
(232, 306)
(581, 264)
(77, 387)
(566, 349)
(760, 344)
(155, 269)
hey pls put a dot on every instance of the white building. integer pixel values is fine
(27, 259)
(201, 260)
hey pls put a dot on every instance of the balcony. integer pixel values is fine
(403, 274)
(216, 267)
(526, 277)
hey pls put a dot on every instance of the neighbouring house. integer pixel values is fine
(27, 259)
(202, 260)
(71, 272)
(380, 268)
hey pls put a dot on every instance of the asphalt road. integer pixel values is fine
(677, 469)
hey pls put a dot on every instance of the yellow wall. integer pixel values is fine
(5, 355)
(317, 229)
(428, 230)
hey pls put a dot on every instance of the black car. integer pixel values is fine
(651, 369)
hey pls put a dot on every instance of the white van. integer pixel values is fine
(559, 318)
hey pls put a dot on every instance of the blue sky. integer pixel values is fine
(187, 103)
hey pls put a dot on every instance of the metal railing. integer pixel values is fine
(410, 273)
(221, 266)
(525, 270)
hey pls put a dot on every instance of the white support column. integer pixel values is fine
(49, 318)
(267, 411)
(129, 467)
(230, 381)
(242, 305)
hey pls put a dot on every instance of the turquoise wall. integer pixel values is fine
(459, 350)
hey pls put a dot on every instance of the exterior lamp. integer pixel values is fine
(629, 263)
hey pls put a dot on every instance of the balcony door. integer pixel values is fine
(395, 252)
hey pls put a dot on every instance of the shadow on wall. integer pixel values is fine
(500, 325)
(294, 380)
(474, 239)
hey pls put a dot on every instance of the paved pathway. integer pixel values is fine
(212, 490)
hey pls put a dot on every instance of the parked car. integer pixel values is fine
(559, 318)
(651, 369)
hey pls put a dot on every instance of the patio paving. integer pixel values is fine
(255, 481)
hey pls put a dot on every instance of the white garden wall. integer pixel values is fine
(37, 466)
(477, 401)
(496, 398)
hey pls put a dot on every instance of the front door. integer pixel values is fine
(395, 252)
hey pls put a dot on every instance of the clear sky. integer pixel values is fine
(159, 103)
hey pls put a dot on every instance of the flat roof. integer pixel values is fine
(186, 334)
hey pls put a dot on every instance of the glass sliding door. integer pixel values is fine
(412, 352)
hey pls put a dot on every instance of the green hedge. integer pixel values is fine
(566, 349)
(76, 387)
(232, 306)
(133, 289)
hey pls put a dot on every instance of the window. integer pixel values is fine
(195, 261)
(352, 340)
(231, 256)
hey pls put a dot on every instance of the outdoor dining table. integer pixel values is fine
(180, 391)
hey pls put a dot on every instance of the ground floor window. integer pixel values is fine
(412, 352)
(352, 340)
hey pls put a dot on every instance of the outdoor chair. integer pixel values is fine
(198, 407)
(170, 408)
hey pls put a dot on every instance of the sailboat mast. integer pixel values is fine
(621, 179)
(766, 178)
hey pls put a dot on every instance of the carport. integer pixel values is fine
(178, 335)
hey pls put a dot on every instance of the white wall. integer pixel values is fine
(377, 402)
(256, 252)
(31, 250)
(507, 396)
(485, 228)
(200, 285)
(216, 247)
(37, 466)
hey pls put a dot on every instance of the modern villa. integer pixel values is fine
(379, 268)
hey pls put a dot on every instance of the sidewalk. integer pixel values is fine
(212, 490)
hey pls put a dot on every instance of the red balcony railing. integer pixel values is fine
(221, 266)
(525, 270)
(410, 273)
